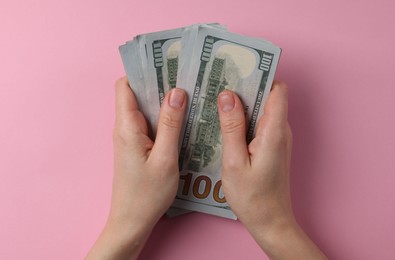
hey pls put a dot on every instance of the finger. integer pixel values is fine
(233, 129)
(125, 100)
(171, 117)
(276, 108)
(127, 113)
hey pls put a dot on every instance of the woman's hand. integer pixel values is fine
(255, 177)
(146, 173)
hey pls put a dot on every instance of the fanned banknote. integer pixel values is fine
(159, 52)
(160, 68)
(218, 60)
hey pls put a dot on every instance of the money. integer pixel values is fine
(219, 60)
(159, 53)
(204, 59)
(162, 52)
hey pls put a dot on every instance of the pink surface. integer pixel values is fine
(58, 64)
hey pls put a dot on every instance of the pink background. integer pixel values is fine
(58, 64)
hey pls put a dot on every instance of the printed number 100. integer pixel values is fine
(207, 187)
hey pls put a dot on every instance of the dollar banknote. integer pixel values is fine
(160, 59)
(218, 60)
(160, 68)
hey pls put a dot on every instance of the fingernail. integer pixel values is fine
(226, 101)
(177, 97)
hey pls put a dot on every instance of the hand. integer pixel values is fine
(146, 173)
(255, 177)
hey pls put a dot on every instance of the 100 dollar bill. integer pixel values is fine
(161, 66)
(218, 60)
(163, 49)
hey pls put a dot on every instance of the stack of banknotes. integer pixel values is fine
(203, 59)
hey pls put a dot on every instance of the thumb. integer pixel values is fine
(170, 122)
(233, 129)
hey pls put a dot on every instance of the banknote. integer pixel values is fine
(217, 60)
(162, 56)
(160, 68)
(160, 59)
(131, 59)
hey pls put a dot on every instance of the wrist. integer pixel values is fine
(285, 239)
(132, 224)
(273, 217)
(120, 240)
(131, 232)
(269, 230)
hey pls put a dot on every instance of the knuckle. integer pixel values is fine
(129, 121)
(233, 125)
(121, 81)
(280, 84)
(232, 166)
(282, 137)
(170, 121)
(282, 87)
(130, 140)
(125, 129)
(166, 161)
(289, 133)
(120, 136)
